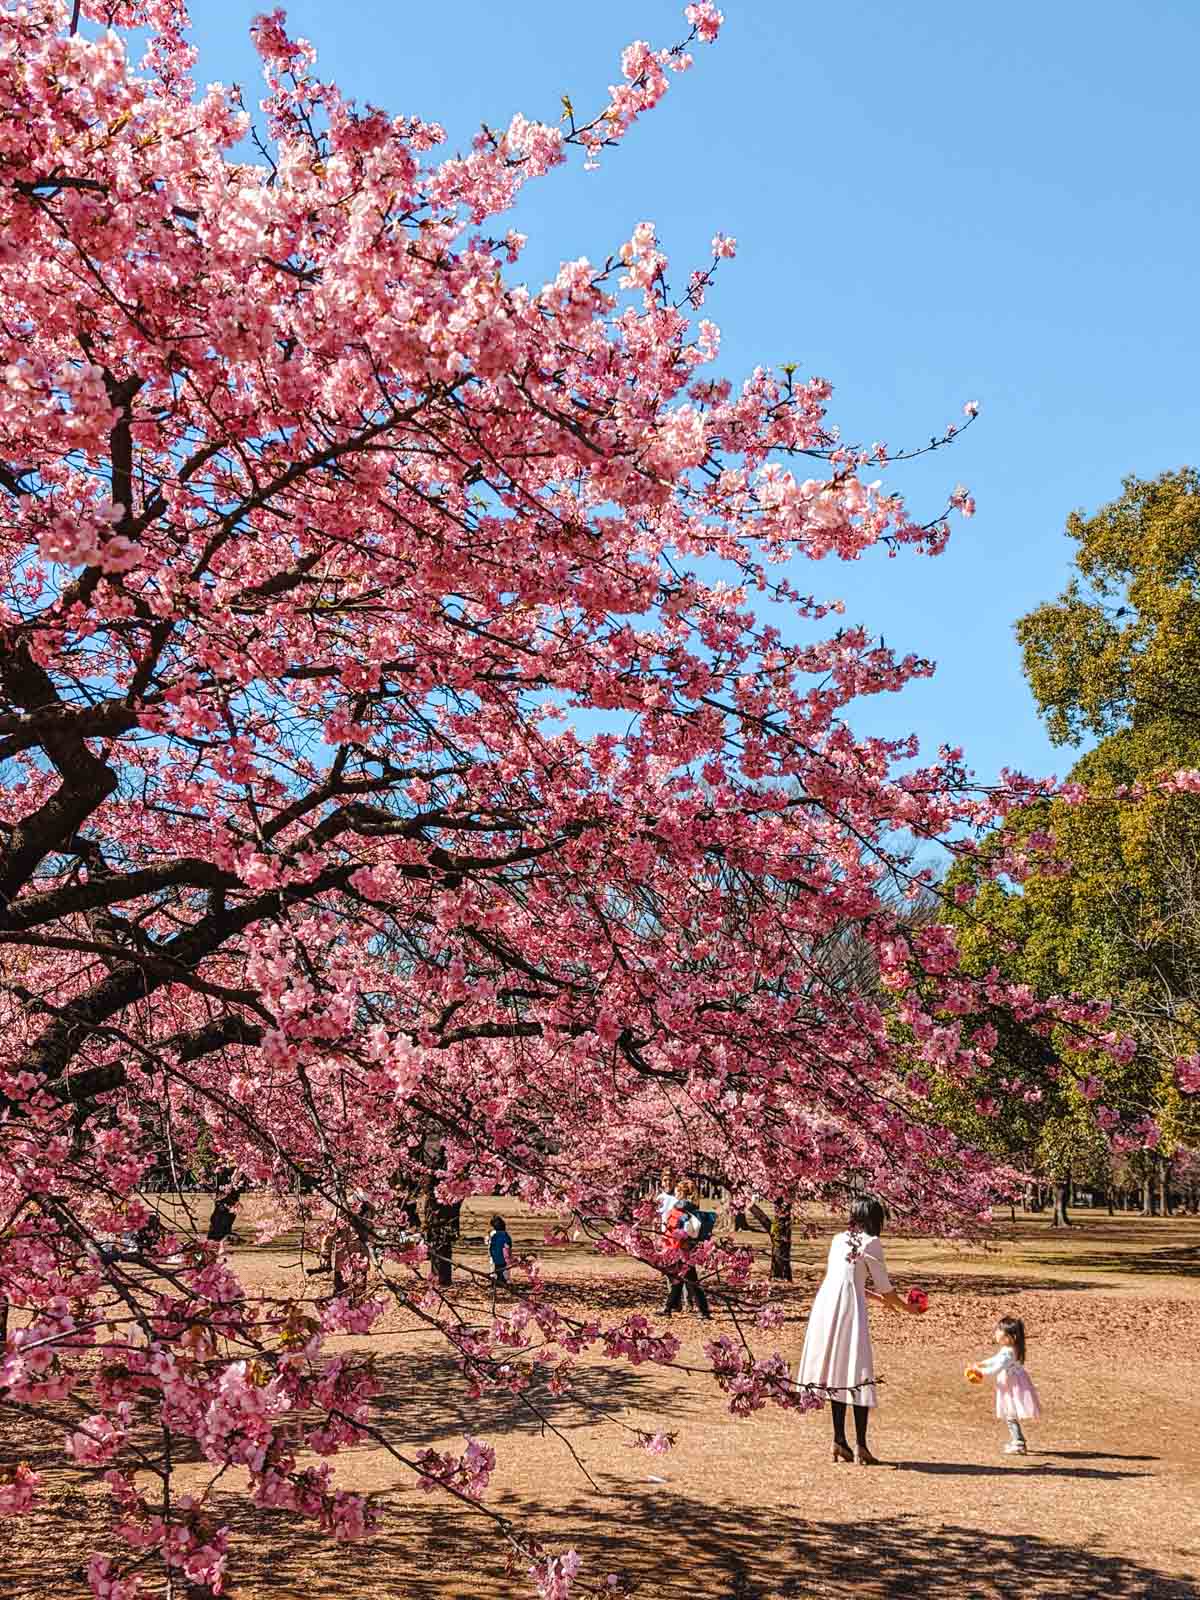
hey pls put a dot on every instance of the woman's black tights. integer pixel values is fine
(862, 1415)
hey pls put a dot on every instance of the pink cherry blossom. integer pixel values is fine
(18, 1489)
(426, 775)
(705, 19)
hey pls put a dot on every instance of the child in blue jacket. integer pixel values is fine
(499, 1243)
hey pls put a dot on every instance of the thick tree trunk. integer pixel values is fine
(1034, 1202)
(441, 1230)
(1149, 1198)
(1061, 1217)
(781, 1244)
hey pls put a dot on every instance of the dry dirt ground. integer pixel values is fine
(1106, 1505)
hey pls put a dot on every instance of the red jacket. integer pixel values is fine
(681, 1226)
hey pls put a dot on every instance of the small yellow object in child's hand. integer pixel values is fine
(973, 1375)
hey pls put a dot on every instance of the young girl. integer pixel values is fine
(1016, 1397)
(499, 1243)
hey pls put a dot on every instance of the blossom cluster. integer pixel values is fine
(423, 773)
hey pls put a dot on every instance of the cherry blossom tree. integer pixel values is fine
(423, 775)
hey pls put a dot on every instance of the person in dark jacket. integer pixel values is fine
(682, 1227)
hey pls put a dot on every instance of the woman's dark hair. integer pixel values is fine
(867, 1215)
(1013, 1330)
(498, 1224)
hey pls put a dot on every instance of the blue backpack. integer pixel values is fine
(708, 1221)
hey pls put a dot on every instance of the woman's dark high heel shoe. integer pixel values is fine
(864, 1458)
(841, 1452)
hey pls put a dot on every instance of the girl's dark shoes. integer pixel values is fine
(842, 1452)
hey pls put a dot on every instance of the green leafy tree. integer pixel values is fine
(1102, 896)
(1120, 647)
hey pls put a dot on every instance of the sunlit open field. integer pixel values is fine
(1107, 1503)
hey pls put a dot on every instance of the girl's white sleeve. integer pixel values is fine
(997, 1363)
(873, 1256)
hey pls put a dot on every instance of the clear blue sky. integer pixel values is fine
(933, 203)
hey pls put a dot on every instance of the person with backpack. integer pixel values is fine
(667, 1201)
(686, 1226)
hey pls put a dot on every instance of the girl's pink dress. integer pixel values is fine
(1016, 1397)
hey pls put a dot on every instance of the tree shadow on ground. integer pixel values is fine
(423, 1399)
(1032, 1469)
(615, 1296)
(663, 1540)
(675, 1545)
(1177, 1261)
(997, 1285)
(669, 1545)
(1093, 1455)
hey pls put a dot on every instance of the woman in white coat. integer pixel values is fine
(837, 1361)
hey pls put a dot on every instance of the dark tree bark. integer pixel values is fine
(441, 1231)
(781, 1243)
(1062, 1195)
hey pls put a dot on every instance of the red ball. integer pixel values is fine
(918, 1299)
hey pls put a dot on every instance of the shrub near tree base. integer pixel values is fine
(317, 532)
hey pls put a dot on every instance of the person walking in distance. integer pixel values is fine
(499, 1245)
(683, 1226)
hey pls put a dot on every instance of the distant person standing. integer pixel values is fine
(224, 1213)
(666, 1203)
(683, 1226)
(499, 1244)
(348, 1243)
